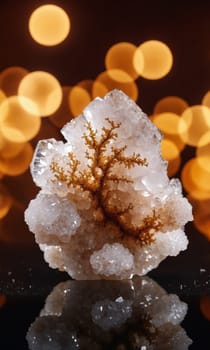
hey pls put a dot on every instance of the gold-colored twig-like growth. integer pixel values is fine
(98, 177)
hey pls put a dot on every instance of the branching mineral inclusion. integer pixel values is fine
(106, 208)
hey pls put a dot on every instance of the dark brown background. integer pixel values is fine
(95, 26)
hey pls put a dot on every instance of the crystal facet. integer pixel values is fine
(106, 200)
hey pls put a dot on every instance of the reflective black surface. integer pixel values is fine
(19, 312)
(110, 315)
(26, 281)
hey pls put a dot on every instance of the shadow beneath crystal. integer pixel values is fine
(130, 314)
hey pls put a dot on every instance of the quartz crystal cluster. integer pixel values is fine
(121, 315)
(106, 208)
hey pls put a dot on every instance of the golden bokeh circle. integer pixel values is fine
(2, 96)
(120, 76)
(121, 82)
(86, 85)
(138, 61)
(174, 166)
(120, 56)
(94, 88)
(170, 152)
(206, 99)
(19, 164)
(203, 151)
(9, 149)
(173, 104)
(170, 123)
(186, 177)
(79, 98)
(49, 25)
(157, 58)
(43, 89)
(202, 216)
(203, 142)
(172, 127)
(99, 89)
(63, 114)
(201, 175)
(195, 179)
(197, 120)
(10, 79)
(5, 201)
(17, 124)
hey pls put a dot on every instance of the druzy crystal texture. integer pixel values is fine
(98, 315)
(106, 208)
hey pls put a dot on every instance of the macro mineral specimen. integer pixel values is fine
(106, 208)
(122, 315)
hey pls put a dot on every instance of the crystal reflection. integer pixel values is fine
(121, 315)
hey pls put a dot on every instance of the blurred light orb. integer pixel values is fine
(173, 104)
(10, 79)
(120, 56)
(170, 152)
(172, 127)
(203, 146)
(49, 25)
(206, 99)
(94, 88)
(202, 216)
(202, 223)
(2, 96)
(197, 120)
(63, 114)
(16, 123)
(120, 76)
(157, 59)
(79, 98)
(8, 148)
(99, 89)
(195, 179)
(138, 61)
(170, 123)
(189, 184)
(87, 85)
(120, 82)
(19, 164)
(174, 166)
(5, 202)
(200, 175)
(43, 89)
(203, 151)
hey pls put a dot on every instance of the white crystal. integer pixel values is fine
(105, 197)
(41, 160)
(108, 260)
(52, 215)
